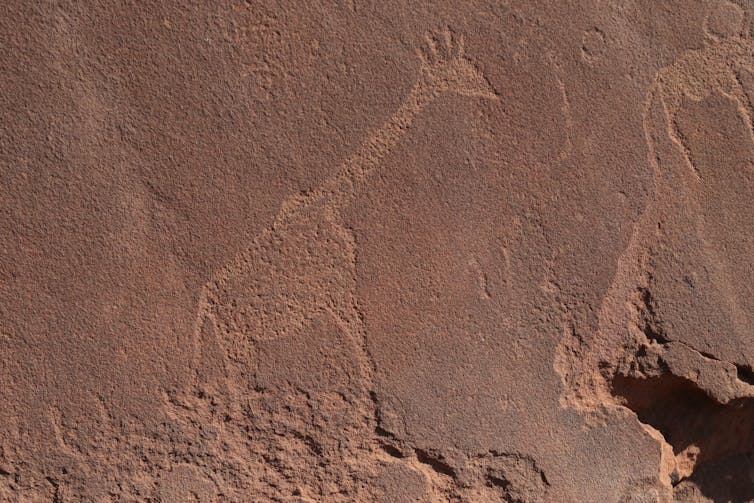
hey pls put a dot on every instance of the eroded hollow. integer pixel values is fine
(714, 442)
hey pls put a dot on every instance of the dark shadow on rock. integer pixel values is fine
(721, 436)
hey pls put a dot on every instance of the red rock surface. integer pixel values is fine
(494, 250)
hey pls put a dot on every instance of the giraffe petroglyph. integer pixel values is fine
(304, 264)
(695, 75)
(587, 362)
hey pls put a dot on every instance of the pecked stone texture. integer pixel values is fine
(495, 250)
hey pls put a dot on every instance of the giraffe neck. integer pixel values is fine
(378, 145)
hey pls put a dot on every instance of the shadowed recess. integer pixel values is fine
(716, 440)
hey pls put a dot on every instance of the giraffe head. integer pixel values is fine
(446, 68)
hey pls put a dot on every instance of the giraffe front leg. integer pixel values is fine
(671, 100)
(742, 92)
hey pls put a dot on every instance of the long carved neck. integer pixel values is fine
(379, 143)
(382, 141)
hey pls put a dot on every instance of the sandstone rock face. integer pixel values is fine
(496, 250)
